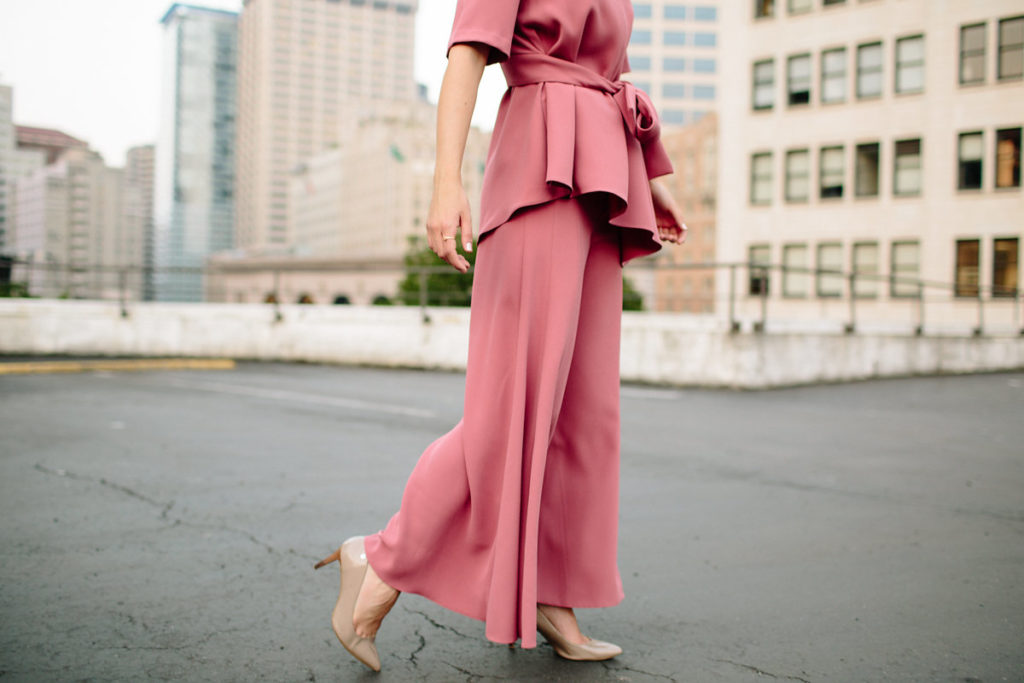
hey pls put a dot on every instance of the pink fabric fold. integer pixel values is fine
(565, 130)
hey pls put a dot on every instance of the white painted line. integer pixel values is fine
(285, 395)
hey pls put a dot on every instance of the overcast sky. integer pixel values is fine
(91, 68)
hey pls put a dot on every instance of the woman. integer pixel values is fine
(511, 517)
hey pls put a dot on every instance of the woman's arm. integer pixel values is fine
(449, 208)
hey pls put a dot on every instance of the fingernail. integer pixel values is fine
(468, 246)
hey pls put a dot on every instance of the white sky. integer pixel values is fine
(91, 68)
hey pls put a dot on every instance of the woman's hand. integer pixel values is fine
(448, 221)
(667, 214)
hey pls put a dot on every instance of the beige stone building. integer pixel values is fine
(137, 216)
(680, 283)
(300, 63)
(71, 231)
(353, 210)
(876, 136)
(16, 161)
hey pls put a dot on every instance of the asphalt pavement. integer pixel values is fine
(162, 525)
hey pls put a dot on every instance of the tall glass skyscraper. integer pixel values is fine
(195, 155)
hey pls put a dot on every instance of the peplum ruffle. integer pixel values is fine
(563, 130)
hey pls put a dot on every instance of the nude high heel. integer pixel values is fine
(591, 651)
(352, 557)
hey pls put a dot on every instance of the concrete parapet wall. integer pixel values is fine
(671, 349)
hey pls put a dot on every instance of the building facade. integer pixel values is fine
(71, 236)
(194, 195)
(137, 215)
(673, 54)
(880, 138)
(303, 65)
(17, 159)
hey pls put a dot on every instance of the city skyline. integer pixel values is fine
(68, 65)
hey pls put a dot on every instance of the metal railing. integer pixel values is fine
(742, 293)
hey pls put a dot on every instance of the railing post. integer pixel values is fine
(759, 326)
(121, 277)
(919, 330)
(277, 296)
(423, 295)
(734, 325)
(981, 314)
(851, 326)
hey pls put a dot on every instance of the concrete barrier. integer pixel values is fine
(657, 348)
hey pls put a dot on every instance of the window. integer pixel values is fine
(1004, 266)
(798, 162)
(703, 92)
(831, 172)
(830, 257)
(1011, 49)
(833, 75)
(834, 2)
(907, 168)
(910, 64)
(764, 84)
(761, 178)
(676, 117)
(794, 273)
(972, 54)
(674, 64)
(642, 11)
(757, 266)
(675, 38)
(1008, 157)
(903, 275)
(640, 38)
(799, 79)
(865, 263)
(764, 8)
(869, 70)
(704, 39)
(640, 63)
(704, 66)
(673, 90)
(800, 6)
(675, 12)
(970, 152)
(966, 279)
(867, 169)
(701, 13)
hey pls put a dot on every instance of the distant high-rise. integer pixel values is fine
(195, 166)
(673, 54)
(138, 214)
(302, 63)
(18, 159)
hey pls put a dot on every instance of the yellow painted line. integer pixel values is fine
(32, 367)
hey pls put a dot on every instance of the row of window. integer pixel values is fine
(908, 59)
(697, 92)
(907, 168)
(766, 8)
(675, 64)
(698, 38)
(643, 10)
(904, 269)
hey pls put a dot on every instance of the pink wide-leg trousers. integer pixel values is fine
(518, 504)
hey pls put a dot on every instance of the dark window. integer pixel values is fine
(1005, 266)
(966, 279)
(759, 260)
(764, 8)
(969, 154)
(972, 53)
(799, 79)
(907, 168)
(867, 169)
(832, 170)
(1011, 49)
(1008, 157)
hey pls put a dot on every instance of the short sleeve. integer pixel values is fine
(490, 22)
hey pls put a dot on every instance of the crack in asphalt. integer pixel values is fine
(165, 508)
(613, 666)
(439, 625)
(470, 676)
(423, 644)
(762, 672)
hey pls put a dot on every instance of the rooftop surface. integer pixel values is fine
(162, 525)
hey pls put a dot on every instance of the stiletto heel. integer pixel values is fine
(352, 557)
(591, 651)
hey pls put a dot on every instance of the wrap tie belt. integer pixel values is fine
(638, 113)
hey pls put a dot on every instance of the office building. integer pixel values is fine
(303, 64)
(673, 55)
(880, 137)
(137, 217)
(195, 154)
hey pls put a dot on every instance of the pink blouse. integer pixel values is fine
(567, 125)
